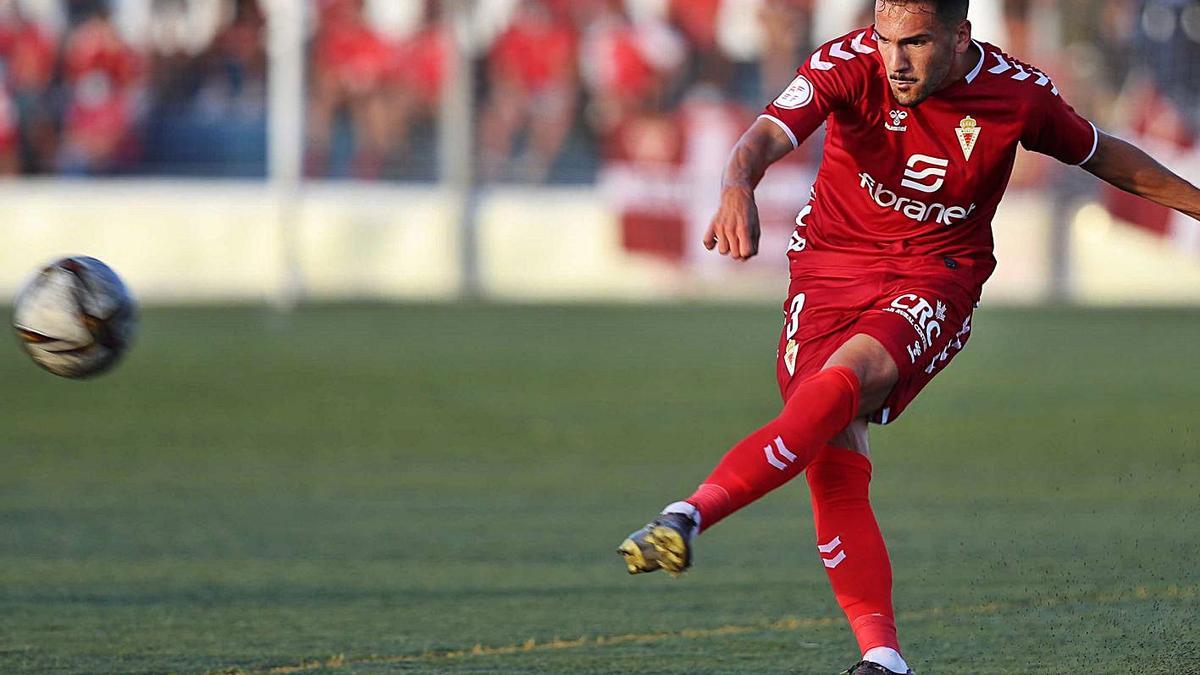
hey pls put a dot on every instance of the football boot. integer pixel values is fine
(664, 543)
(871, 668)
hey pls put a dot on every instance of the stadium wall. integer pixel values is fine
(225, 241)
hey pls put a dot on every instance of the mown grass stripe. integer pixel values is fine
(1140, 593)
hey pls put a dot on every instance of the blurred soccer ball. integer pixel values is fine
(75, 318)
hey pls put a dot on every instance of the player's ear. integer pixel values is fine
(962, 36)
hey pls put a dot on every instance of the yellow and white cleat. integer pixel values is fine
(664, 543)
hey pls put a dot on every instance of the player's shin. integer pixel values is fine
(853, 551)
(818, 408)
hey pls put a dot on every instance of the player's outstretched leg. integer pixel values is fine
(855, 556)
(819, 407)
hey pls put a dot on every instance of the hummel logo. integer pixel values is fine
(898, 117)
(915, 177)
(826, 549)
(773, 459)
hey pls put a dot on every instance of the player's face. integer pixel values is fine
(919, 50)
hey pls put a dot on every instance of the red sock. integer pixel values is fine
(819, 408)
(851, 545)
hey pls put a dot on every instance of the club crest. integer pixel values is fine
(789, 356)
(968, 135)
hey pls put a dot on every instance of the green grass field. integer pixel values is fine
(440, 490)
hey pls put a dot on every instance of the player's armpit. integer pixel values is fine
(1129, 168)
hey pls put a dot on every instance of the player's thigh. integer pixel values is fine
(818, 315)
(923, 325)
(875, 367)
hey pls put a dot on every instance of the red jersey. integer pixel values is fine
(538, 54)
(921, 181)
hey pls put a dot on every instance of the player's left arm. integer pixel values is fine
(1129, 168)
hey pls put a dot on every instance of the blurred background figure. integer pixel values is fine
(532, 89)
(786, 34)
(563, 88)
(630, 68)
(1158, 42)
(27, 52)
(697, 23)
(102, 76)
(350, 67)
(417, 76)
(206, 107)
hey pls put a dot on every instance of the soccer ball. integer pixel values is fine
(75, 318)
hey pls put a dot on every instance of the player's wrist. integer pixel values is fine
(737, 188)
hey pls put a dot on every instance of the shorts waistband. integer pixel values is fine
(816, 258)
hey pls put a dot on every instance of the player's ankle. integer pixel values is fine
(686, 509)
(888, 658)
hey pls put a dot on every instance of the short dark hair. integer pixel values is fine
(950, 12)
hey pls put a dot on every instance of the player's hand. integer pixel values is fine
(734, 230)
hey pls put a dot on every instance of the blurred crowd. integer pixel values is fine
(562, 87)
(92, 87)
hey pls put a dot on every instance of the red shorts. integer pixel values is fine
(919, 310)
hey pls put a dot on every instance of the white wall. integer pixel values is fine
(221, 241)
(202, 241)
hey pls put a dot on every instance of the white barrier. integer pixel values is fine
(169, 241)
(220, 241)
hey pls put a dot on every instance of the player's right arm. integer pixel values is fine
(829, 81)
(734, 229)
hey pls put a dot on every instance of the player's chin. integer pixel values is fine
(910, 94)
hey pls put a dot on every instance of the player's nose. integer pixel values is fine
(897, 64)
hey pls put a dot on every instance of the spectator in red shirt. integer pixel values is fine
(532, 83)
(28, 57)
(417, 73)
(697, 21)
(10, 138)
(628, 67)
(350, 63)
(101, 72)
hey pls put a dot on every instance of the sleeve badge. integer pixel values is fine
(798, 94)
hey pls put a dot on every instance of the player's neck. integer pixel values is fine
(963, 64)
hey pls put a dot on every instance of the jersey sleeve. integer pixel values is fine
(823, 85)
(1055, 129)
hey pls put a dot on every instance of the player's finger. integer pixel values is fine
(710, 237)
(723, 245)
(742, 252)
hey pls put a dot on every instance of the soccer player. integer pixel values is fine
(887, 265)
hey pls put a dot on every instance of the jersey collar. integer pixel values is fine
(979, 66)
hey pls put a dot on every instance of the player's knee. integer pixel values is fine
(854, 438)
(838, 473)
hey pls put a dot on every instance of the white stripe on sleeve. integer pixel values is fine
(1095, 144)
(786, 130)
